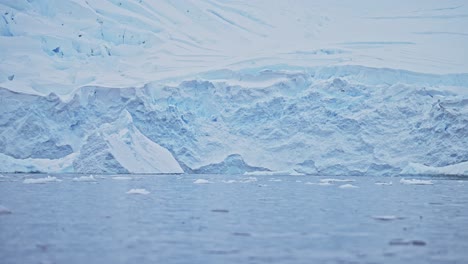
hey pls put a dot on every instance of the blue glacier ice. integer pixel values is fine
(237, 87)
(332, 121)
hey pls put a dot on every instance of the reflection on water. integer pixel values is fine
(231, 219)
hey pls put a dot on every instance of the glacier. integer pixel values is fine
(307, 122)
(234, 87)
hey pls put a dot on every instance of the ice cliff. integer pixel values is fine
(329, 121)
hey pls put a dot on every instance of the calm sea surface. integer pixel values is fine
(232, 219)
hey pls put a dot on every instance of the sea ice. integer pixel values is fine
(89, 178)
(336, 180)
(416, 182)
(275, 180)
(202, 181)
(348, 186)
(41, 180)
(138, 191)
(383, 183)
(387, 217)
(248, 180)
(4, 210)
(230, 181)
(319, 183)
(121, 178)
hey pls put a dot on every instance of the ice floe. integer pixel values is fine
(336, 180)
(348, 186)
(387, 217)
(202, 181)
(4, 210)
(383, 183)
(230, 181)
(248, 180)
(89, 178)
(41, 180)
(122, 178)
(319, 183)
(138, 191)
(416, 182)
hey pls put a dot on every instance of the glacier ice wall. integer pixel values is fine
(328, 121)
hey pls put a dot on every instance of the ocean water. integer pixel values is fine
(232, 219)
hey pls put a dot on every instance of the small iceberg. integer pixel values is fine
(230, 181)
(336, 180)
(4, 210)
(275, 180)
(387, 217)
(122, 178)
(41, 180)
(202, 181)
(89, 178)
(319, 183)
(416, 182)
(384, 183)
(248, 180)
(138, 191)
(348, 186)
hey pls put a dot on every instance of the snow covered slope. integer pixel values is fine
(61, 45)
(216, 86)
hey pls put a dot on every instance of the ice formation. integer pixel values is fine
(138, 191)
(41, 180)
(89, 178)
(234, 87)
(202, 181)
(416, 182)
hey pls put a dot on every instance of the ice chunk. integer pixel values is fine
(387, 217)
(138, 191)
(122, 178)
(416, 182)
(319, 183)
(275, 180)
(230, 181)
(383, 183)
(202, 181)
(4, 210)
(89, 178)
(41, 180)
(348, 186)
(248, 180)
(336, 180)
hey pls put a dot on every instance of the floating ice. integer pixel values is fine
(248, 180)
(138, 191)
(348, 186)
(89, 178)
(202, 181)
(275, 180)
(230, 181)
(416, 182)
(387, 217)
(319, 183)
(41, 180)
(383, 183)
(4, 210)
(336, 180)
(121, 178)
